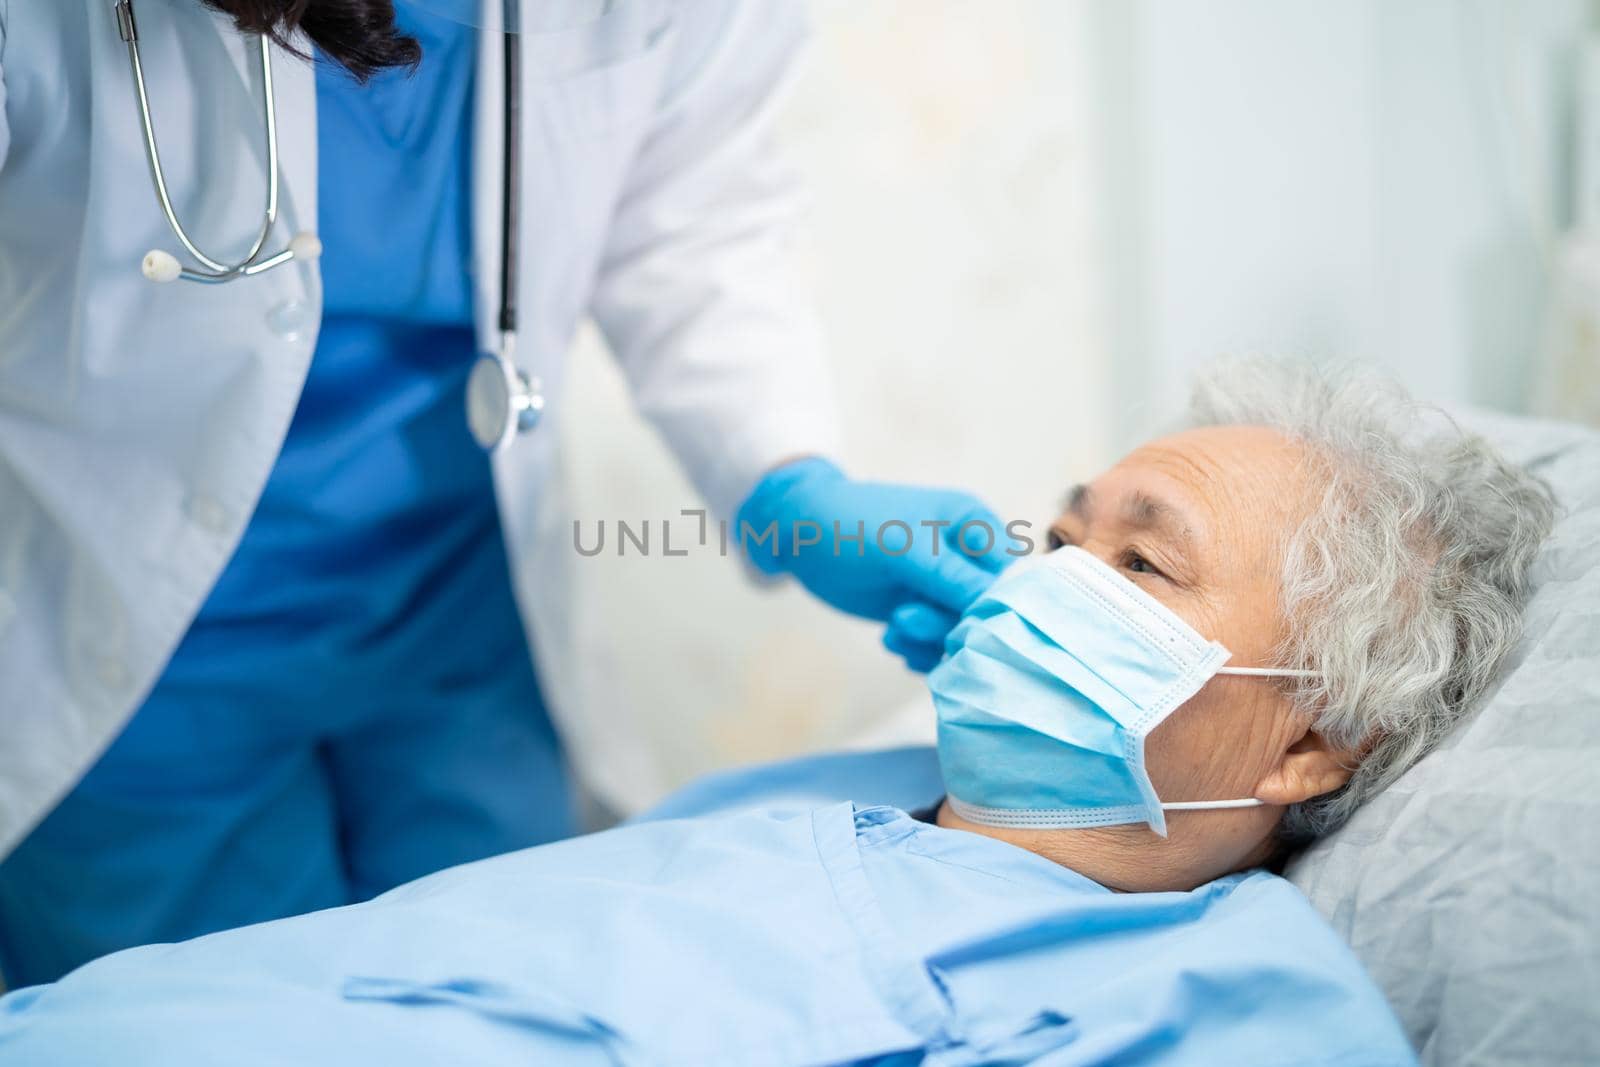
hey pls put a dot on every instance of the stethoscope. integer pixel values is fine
(502, 400)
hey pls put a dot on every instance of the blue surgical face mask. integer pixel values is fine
(1049, 686)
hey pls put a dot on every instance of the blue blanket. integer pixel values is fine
(795, 933)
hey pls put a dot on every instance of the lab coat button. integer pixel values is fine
(289, 320)
(208, 513)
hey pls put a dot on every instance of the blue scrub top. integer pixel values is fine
(379, 490)
(836, 934)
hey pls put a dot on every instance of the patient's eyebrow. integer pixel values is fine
(1146, 512)
(1077, 501)
(1141, 511)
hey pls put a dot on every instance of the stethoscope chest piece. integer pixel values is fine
(502, 401)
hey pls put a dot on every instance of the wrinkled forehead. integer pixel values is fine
(1211, 490)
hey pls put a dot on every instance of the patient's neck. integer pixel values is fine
(1130, 859)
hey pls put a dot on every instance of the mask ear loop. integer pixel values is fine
(1207, 805)
(1243, 802)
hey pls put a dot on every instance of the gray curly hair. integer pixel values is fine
(1404, 589)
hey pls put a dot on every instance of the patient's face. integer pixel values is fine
(1199, 521)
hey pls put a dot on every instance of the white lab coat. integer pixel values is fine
(138, 422)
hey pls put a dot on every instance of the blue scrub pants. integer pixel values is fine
(318, 782)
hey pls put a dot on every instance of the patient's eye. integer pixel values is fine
(1136, 563)
(1059, 538)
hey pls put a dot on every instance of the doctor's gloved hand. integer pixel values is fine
(909, 556)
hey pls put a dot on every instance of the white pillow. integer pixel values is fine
(1471, 887)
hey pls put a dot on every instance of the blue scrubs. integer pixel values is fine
(786, 934)
(354, 706)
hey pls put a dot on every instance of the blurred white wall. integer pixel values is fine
(945, 148)
(1372, 179)
(1033, 219)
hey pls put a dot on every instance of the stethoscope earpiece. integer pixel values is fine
(160, 266)
(306, 245)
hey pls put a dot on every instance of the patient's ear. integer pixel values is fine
(1308, 768)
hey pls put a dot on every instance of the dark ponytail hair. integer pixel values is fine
(359, 35)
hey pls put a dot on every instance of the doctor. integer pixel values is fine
(261, 649)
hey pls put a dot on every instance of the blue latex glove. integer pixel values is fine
(919, 592)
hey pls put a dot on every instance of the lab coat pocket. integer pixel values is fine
(541, 1014)
(620, 74)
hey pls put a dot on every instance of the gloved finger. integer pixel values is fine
(977, 533)
(924, 658)
(922, 622)
(950, 580)
(920, 656)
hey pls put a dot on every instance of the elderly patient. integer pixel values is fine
(1076, 876)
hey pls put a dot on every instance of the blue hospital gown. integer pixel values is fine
(789, 934)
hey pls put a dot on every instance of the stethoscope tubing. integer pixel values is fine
(215, 271)
(511, 178)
